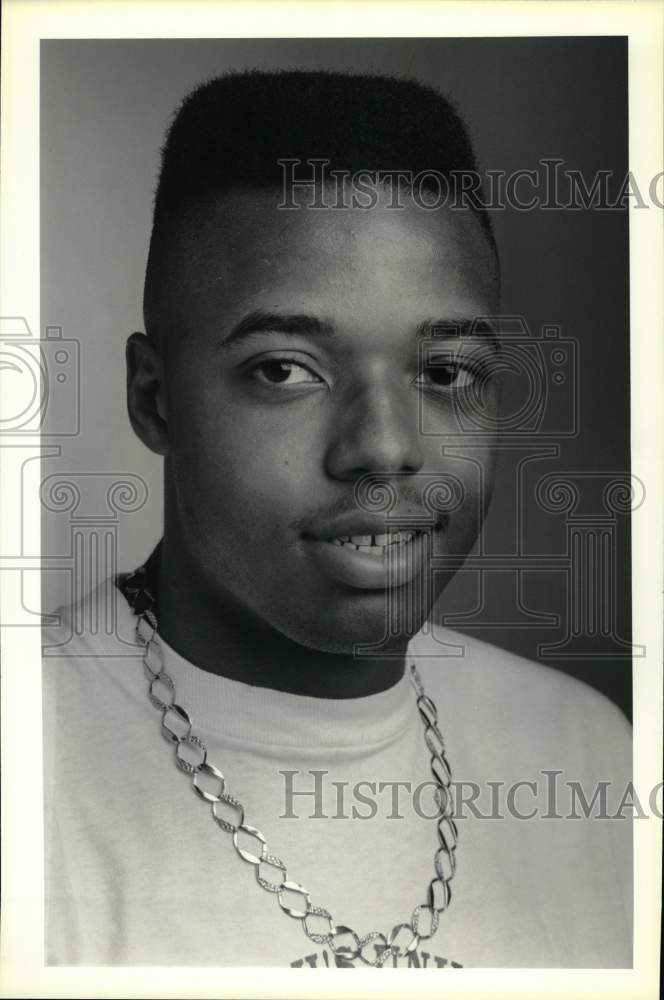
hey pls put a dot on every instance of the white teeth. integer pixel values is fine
(371, 550)
(374, 544)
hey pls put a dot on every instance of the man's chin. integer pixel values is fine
(374, 625)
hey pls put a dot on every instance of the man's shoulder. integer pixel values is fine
(96, 623)
(516, 697)
(443, 650)
(88, 647)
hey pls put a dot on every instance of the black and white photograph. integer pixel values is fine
(329, 422)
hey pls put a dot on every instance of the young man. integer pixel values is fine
(299, 337)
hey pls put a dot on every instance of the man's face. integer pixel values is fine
(296, 378)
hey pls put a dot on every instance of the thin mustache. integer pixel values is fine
(409, 505)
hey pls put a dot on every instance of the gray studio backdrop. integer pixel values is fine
(104, 108)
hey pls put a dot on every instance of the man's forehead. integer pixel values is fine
(252, 229)
(373, 278)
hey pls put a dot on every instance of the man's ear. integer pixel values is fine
(146, 393)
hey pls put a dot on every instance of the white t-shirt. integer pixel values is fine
(137, 871)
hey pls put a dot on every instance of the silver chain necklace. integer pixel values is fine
(210, 785)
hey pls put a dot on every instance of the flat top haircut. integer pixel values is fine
(232, 131)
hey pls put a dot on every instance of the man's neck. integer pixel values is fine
(222, 638)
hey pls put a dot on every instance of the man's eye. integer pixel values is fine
(282, 371)
(447, 375)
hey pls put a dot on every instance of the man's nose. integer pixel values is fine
(376, 430)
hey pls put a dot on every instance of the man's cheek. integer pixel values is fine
(254, 500)
(464, 522)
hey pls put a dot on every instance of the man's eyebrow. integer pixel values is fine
(300, 324)
(294, 324)
(478, 326)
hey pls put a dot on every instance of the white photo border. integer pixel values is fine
(26, 22)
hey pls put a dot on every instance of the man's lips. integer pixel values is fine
(357, 524)
(374, 545)
(373, 561)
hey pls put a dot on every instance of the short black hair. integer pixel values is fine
(232, 131)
